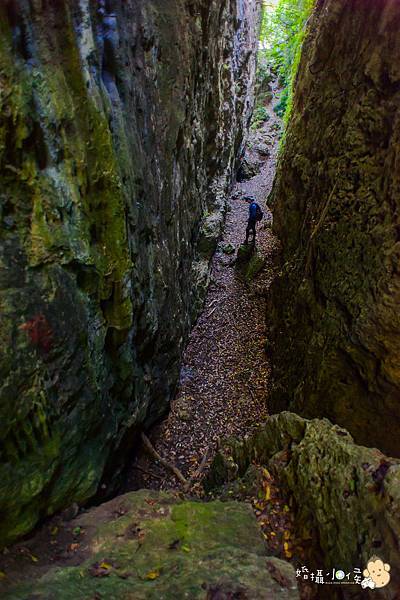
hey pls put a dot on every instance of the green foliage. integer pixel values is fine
(260, 116)
(282, 34)
(264, 76)
(283, 105)
(262, 92)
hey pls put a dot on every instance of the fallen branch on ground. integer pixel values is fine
(218, 301)
(164, 462)
(213, 302)
(187, 484)
(211, 312)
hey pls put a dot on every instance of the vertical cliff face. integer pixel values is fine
(120, 124)
(336, 203)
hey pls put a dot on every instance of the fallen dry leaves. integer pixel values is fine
(225, 371)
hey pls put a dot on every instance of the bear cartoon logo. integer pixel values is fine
(376, 574)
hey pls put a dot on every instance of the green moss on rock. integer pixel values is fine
(347, 496)
(249, 261)
(153, 545)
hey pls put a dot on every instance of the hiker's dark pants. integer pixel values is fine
(251, 226)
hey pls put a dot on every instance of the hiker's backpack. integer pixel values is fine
(259, 213)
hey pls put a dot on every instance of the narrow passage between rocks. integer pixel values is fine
(225, 372)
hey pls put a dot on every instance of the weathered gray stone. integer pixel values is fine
(248, 168)
(263, 149)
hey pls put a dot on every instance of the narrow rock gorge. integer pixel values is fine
(336, 200)
(185, 414)
(121, 124)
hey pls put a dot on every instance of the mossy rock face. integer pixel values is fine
(249, 261)
(108, 168)
(244, 253)
(209, 234)
(347, 496)
(228, 248)
(255, 265)
(336, 200)
(148, 545)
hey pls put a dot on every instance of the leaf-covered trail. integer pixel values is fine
(223, 391)
(225, 372)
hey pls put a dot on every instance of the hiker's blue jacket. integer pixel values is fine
(253, 211)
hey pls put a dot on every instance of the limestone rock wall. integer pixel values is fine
(335, 306)
(120, 123)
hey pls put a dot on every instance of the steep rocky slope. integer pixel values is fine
(119, 129)
(336, 206)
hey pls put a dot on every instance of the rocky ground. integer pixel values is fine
(225, 372)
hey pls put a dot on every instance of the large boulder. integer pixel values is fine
(249, 261)
(347, 497)
(148, 545)
(248, 168)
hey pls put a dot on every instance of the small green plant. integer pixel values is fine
(282, 106)
(260, 116)
(282, 34)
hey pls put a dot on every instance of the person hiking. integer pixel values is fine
(255, 214)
